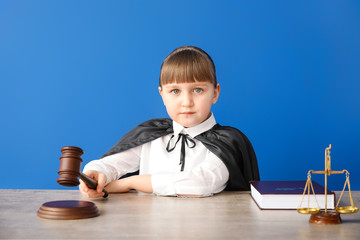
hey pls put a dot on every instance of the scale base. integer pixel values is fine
(331, 217)
(65, 210)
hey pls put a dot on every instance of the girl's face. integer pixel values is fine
(189, 104)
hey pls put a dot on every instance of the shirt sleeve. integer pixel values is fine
(116, 165)
(205, 179)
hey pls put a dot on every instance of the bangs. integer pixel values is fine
(186, 65)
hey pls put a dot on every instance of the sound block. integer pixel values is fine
(70, 209)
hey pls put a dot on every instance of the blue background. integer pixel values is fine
(84, 73)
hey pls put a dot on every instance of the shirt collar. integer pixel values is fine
(196, 130)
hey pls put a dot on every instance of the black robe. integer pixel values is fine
(227, 143)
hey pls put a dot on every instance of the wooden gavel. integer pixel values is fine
(69, 170)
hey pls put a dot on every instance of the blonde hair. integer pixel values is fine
(187, 64)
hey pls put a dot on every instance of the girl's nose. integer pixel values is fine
(187, 100)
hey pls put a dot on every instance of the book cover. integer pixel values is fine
(288, 195)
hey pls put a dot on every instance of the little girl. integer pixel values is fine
(187, 155)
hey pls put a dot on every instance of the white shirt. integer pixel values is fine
(204, 173)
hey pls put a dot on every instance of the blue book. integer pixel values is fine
(289, 194)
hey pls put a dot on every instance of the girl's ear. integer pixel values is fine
(161, 94)
(216, 93)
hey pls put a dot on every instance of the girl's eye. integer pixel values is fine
(198, 90)
(175, 91)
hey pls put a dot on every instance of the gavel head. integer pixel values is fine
(70, 163)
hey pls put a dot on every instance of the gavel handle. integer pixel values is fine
(91, 183)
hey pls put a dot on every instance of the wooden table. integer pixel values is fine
(229, 215)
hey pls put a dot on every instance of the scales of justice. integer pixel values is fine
(326, 216)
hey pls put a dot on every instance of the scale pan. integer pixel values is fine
(308, 210)
(347, 209)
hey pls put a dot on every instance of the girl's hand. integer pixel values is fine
(91, 193)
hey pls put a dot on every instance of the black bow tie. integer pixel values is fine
(185, 139)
